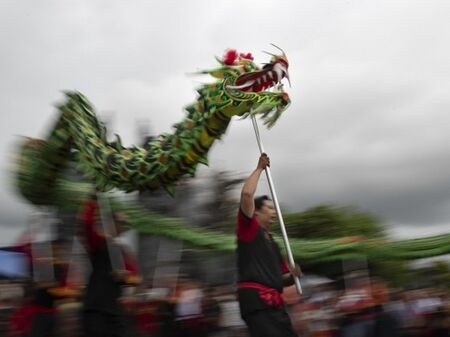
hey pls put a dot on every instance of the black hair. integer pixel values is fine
(259, 201)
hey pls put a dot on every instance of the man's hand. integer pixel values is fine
(64, 292)
(263, 162)
(120, 275)
(125, 277)
(295, 271)
(133, 280)
(288, 278)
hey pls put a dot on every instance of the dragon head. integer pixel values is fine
(245, 89)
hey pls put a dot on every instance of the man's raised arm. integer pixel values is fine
(248, 190)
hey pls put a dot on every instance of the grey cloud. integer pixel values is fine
(369, 115)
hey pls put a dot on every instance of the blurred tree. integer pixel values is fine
(222, 207)
(326, 221)
(440, 271)
(437, 274)
(333, 222)
(395, 272)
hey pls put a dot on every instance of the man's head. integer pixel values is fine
(265, 211)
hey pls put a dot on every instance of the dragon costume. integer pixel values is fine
(241, 89)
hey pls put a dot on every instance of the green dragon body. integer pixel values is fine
(239, 90)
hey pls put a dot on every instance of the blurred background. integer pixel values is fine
(360, 159)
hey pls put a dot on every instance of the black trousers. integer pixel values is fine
(101, 324)
(269, 323)
(43, 325)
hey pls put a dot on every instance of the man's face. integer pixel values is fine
(266, 214)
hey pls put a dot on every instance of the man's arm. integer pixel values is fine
(248, 190)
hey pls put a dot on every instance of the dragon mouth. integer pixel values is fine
(258, 81)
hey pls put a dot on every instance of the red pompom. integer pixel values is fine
(230, 56)
(247, 56)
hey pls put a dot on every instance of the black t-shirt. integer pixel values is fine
(259, 260)
(102, 291)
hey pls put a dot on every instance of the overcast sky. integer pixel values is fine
(370, 115)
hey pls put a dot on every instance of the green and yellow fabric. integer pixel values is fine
(239, 90)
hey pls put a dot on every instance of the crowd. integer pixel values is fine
(114, 302)
(370, 309)
(190, 308)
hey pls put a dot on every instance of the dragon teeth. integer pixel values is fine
(242, 86)
(279, 72)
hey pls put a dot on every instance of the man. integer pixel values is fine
(45, 320)
(103, 314)
(262, 270)
(37, 317)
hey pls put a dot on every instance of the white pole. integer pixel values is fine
(277, 207)
(41, 248)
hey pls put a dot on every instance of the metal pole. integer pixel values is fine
(277, 207)
(41, 250)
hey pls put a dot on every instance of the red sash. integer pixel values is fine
(270, 296)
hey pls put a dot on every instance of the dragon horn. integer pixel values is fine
(284, 54)
(271, 54)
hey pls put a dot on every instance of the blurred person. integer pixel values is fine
(303, 315)
(364, 308)
(397, 307)
(211, 312)
(11, 293)
(38, 317)
(230, 321)
(386, 323)
(262, 271)
(102, 313)
(427, 302)
(147, 315)
(188, 310)
(46, 295)
(437, 324)
(19, 321)
(414, 322)
(357, 306)
(166, 312)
